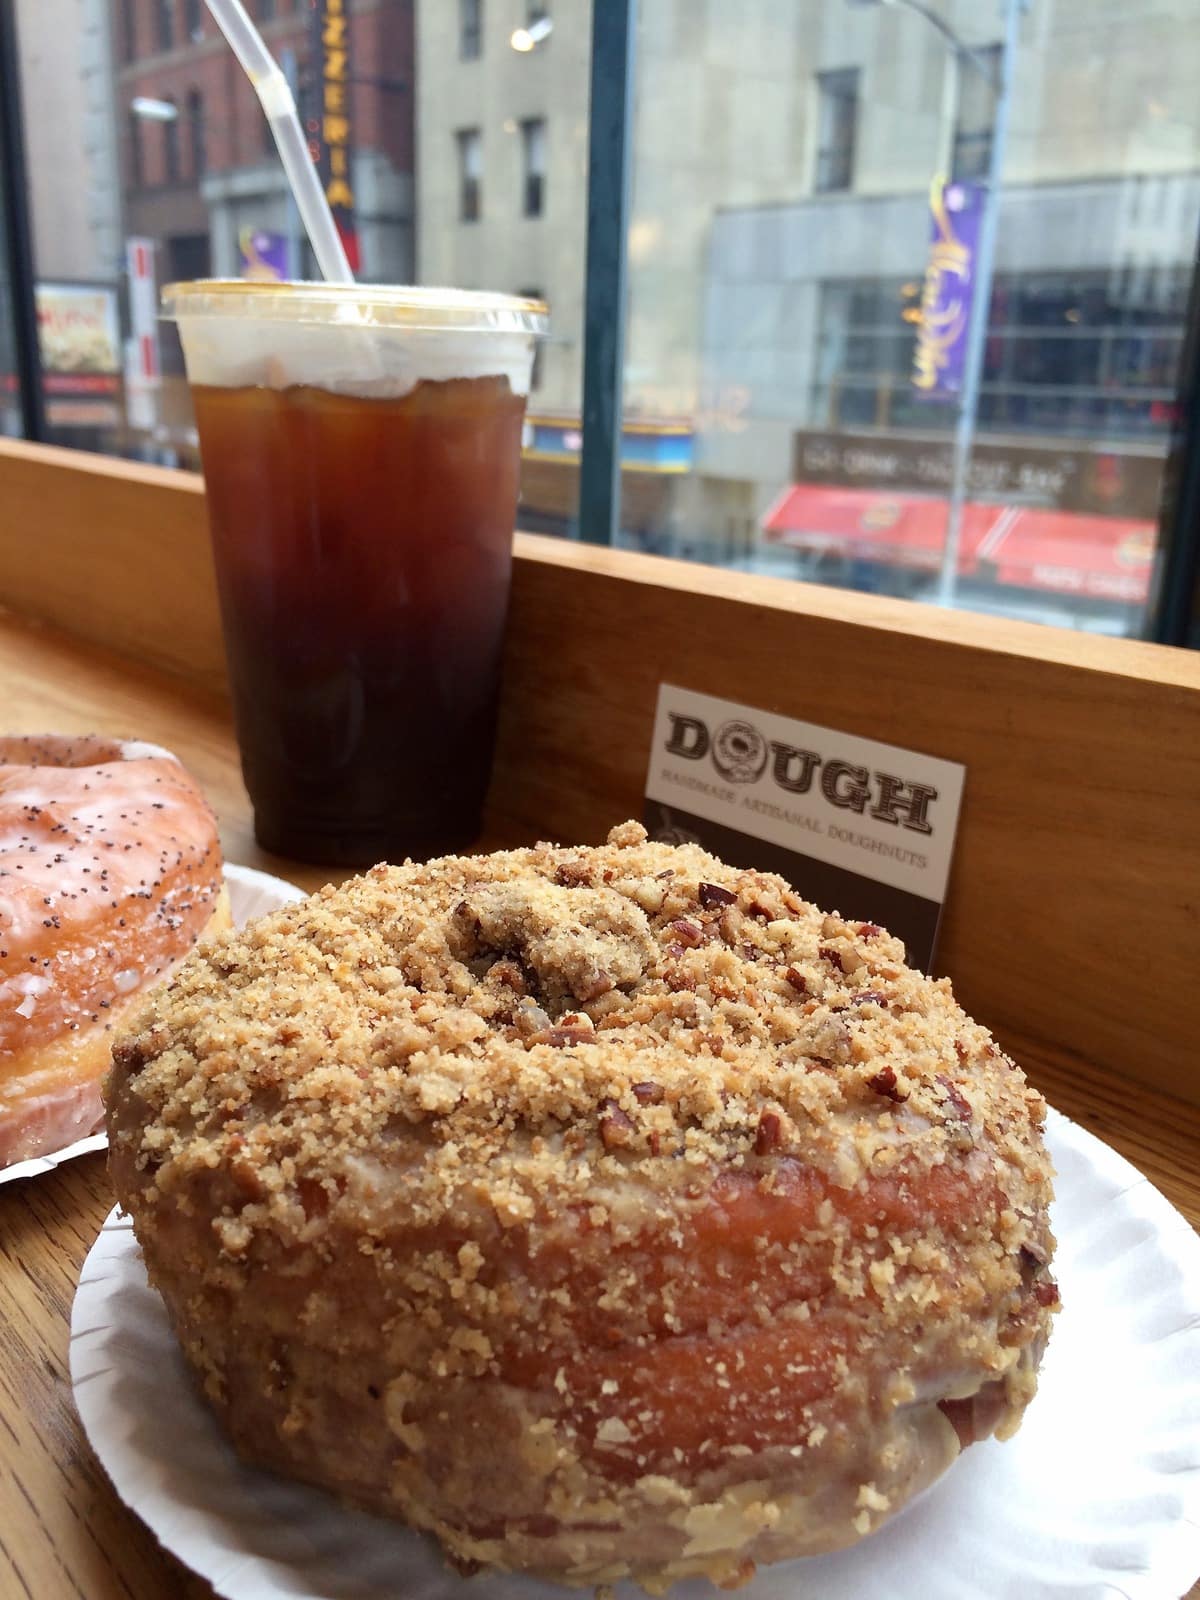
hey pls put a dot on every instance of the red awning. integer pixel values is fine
(872, 525)
(1104, 558)
(1100, 557)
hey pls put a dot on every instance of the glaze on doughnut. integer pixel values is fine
(606, 1212)
(110, 869)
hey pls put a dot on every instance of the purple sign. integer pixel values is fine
(957, 212)
(264, 255)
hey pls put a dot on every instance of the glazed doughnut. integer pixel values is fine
(110, 869)
(604, 1211)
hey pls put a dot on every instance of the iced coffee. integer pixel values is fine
(361, 450)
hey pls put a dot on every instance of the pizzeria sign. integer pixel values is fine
(331, 129)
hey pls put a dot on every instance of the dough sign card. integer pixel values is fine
(856, 826)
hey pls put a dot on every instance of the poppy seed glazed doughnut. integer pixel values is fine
(110, 870)
(604, 1211)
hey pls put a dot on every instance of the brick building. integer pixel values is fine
(198, 174)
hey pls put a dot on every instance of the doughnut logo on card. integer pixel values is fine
(739, 751)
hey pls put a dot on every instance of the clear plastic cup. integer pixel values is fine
(361, 449)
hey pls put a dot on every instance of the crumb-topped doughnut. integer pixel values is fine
(605, 1211)
(110, 869)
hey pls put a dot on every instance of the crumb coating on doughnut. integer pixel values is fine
(583, 1186)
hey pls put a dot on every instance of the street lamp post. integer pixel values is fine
(1001, 81)
(977, 321)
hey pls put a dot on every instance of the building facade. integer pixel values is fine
(71, 153)
(197, 177)
(811, 303)
(782, 163)
(200, 174)
(75, 209)
(502, 165)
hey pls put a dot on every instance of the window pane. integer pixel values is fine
(528, 102)
(172, 151)
(135, 158)
(533, 164)
(129, 41)
(973, 81)
(197, 133)
(470, 174)
(166, 159)
(837, 119)
(470, 29)
(778, 252)
(170, 130)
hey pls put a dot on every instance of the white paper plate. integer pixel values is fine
(1098, 1496)
(251, 894)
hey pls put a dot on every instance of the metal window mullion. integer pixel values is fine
(15, 225)
(1172, 618)
(609, 169)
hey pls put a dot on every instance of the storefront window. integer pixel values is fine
(811, 192)
(780, 246)
(161, 156)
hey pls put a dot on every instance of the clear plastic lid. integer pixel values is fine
(364, 304)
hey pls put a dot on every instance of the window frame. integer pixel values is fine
(197, 133)
(533, 131)
(129, 10)
(835, 158)
(137, 151)
(166, 20)
(981, 72)
(470, 30)
(470, 184)
(172, 146)
(16, 236)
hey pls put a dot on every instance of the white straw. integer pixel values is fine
(272, 89)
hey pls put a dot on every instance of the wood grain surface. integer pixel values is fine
(1074, 906)
(1073, 911)
(120, 556)
(63, 1532)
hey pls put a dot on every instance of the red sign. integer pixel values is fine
(143, 309)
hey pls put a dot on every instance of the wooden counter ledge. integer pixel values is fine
(1070, 926)
(63, 1532)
